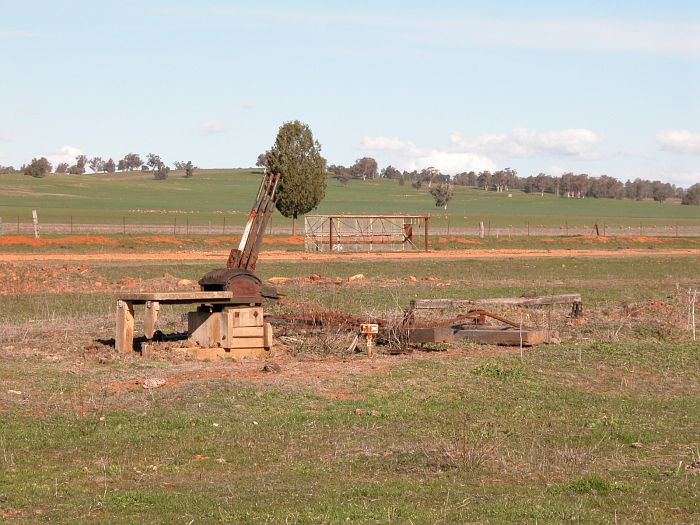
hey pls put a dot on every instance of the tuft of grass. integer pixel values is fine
(594, 485)
(498, 371)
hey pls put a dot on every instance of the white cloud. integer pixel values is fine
(211, 127)
(6, 137)
(247, 105)
(684, 179)
(478, 153)
(679, 141)
(522, 142)
(65, 154)
(406, 155)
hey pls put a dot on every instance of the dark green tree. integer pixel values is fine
(442, 193)
(38, 168)
(187, 167)
(262, 160)
(109, 166)
(692, 195)
(297, 157)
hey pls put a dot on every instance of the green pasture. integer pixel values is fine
(212, 195)
(600, 429)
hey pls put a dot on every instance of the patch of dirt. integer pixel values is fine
(17, 279)
(25, 240)
(291, 370)
(281, 255)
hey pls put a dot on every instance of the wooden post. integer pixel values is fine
(425, 222)
(481, 229)
(35, 220)
(330, 234)
(71, 225)
(150, 318)
(17, 223)
(528, 228)
(124, 337)
(123, 225)
(175, 226)
(223, 230)
(187, 227)
(567, 227)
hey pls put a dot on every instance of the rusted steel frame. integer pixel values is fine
(246, 255)
(251, 257)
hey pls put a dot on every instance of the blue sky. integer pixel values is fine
(595, 87)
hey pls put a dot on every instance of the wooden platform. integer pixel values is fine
(124, 336)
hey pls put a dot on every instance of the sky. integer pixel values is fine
(592, 87)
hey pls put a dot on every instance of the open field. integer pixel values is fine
(131, 201)
(602, 428)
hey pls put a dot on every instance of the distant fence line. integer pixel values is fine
(184, 228)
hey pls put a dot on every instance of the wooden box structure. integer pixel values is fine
(217, 329)
(232, 328)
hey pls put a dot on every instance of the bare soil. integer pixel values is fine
(281, 255)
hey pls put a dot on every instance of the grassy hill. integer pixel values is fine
(214, 194)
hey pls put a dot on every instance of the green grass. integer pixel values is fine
(214, 194)
(599, 429)
(429, 442)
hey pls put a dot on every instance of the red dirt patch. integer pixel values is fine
(23, 240)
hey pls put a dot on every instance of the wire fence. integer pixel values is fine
(439, 227)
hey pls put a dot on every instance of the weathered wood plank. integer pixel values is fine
(150, 318)
(435, 304)
(124, 336)
(164, 297)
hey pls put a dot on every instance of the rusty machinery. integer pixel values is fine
(238, 276)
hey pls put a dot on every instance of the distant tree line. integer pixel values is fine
(567, 185)
(132, 161)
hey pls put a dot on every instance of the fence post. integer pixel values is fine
(528, 228)
(223, 230)
(18, 224)
(187, 230)
(35, 220)
(566, 223)
(481, 229)
(175, 226)
(123, 225)
(71, 225)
